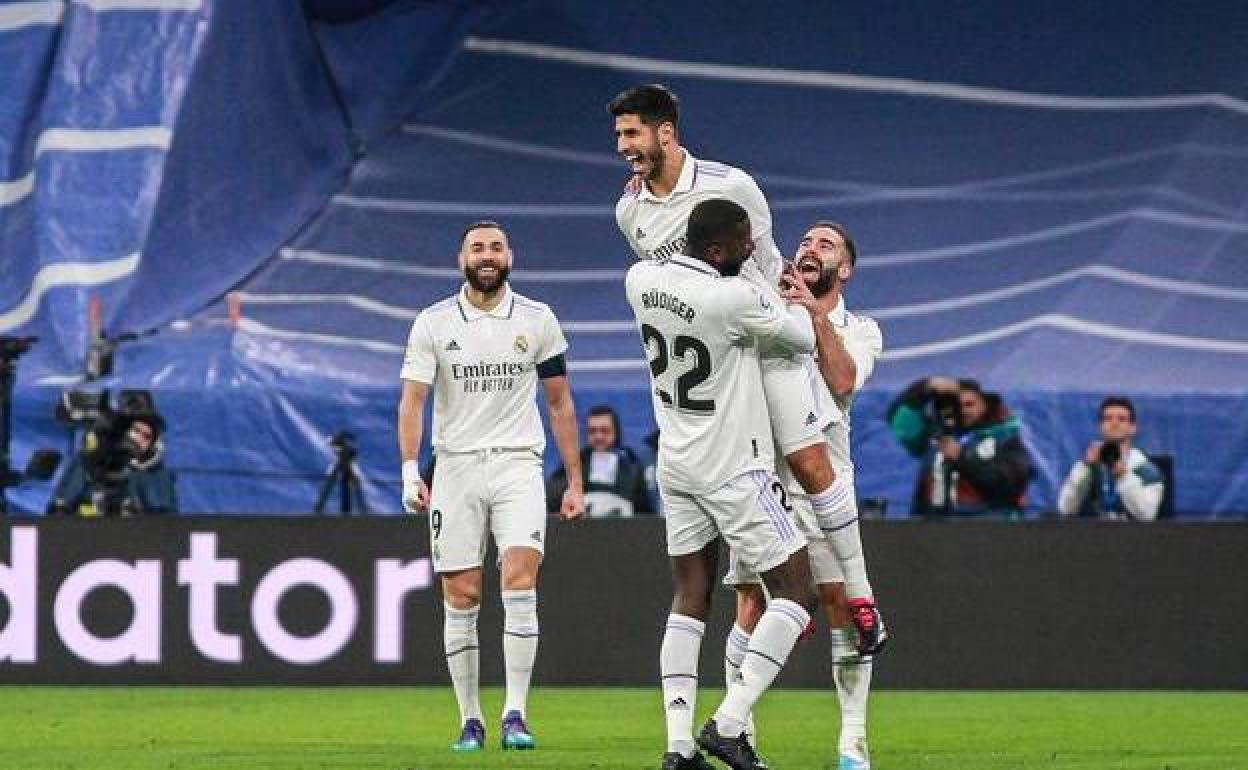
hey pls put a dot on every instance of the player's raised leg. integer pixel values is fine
(798, 429)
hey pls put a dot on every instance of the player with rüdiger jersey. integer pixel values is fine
(652, 213)
(702, 327)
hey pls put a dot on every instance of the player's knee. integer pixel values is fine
(811, 468)
(519, 580)
(792, 580)
(519, 569)
(692, 601)
(462, 590)
(751, 604)
(835, 604)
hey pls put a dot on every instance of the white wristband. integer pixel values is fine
(411, 471)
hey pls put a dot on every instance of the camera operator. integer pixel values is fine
(119, 472)
(1114, 480)
(973, 459)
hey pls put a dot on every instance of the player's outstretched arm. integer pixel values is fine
(410, 428)
(775, 327)
(562, 412)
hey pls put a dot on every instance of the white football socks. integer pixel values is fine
(520, 632)
(459, 637)
(734, 653)
(770, 644)
(836, 510)
(678, 664)
(852, 674)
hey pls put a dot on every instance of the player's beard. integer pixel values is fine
(486, 286)
(826, 280)
(656, 158)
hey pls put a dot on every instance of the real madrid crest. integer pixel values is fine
(521, 344)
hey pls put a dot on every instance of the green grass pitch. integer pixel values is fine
(99, 728)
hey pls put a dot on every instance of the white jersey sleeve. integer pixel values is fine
(420, 362)
(864, 345)
(625, 219)
(754, 315)
(745, 192)
(553, 342)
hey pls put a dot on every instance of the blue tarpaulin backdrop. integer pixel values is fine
(1052, 200)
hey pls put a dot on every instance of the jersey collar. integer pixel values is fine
(839, 315)
(684, 182)
(471, 312)
(684, 260)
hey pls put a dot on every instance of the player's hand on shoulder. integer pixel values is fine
(573, 506)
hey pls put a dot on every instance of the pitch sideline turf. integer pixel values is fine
(98, 728)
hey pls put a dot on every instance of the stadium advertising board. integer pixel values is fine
(328, 600)
(212, 600)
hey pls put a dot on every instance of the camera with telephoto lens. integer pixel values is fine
(945, 415)
(1111, 453)
(12, 347)
(107, 446)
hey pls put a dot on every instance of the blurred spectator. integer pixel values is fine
(650, 469)
(1114, 480)
(973, 459)
(127, 480)
(614, 479)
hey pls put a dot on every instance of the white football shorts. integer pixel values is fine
(796, 422)
(495, 492)
(746, 511)
(824, 565)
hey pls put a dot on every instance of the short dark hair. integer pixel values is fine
(842, 231)
(602, 410)
(710, 221)
(1121, 401)
(653, 103)
(481, 224)
(151, 420)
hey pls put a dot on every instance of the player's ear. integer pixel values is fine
(844, 272)
(666, 131)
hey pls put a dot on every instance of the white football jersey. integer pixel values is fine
(482, 366)
(700, 331)
(655, 227)
(864, 343)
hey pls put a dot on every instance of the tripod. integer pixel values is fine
(344, 475)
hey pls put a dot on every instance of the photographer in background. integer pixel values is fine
(973, 459)
(1114, 480)
(119, 472)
